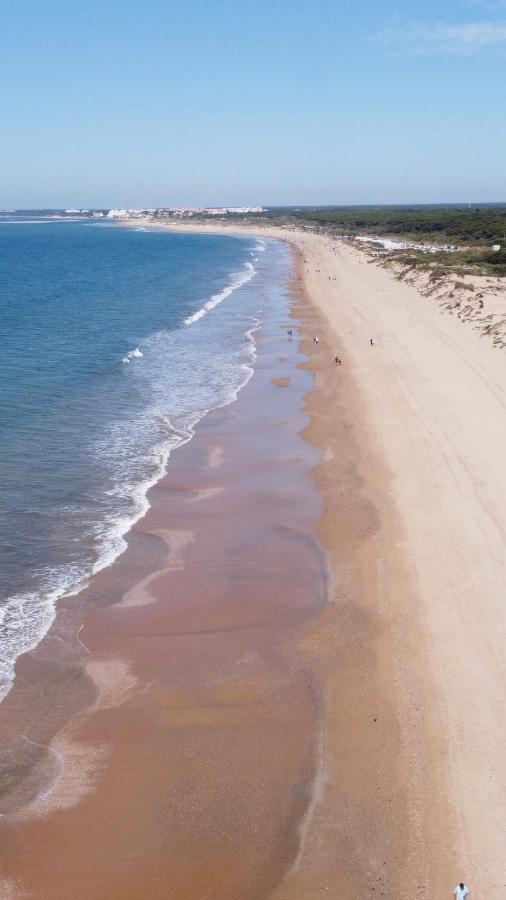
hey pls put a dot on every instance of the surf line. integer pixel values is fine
(216, 299)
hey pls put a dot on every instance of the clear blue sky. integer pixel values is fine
(122, 102)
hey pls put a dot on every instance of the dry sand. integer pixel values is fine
(427, 408)
(433, 399)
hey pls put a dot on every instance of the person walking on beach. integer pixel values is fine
(461, 891)
(316, 339)
(337, 360)
(371, 342)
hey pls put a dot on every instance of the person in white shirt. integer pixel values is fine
(461, 891)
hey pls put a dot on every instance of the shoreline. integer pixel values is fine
(429, 419)
(374, 861)
(402, 661)
(92, 683)
(59, 585)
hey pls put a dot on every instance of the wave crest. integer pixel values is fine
(136, 353)
(237, 282)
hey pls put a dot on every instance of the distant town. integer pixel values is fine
(169, 212)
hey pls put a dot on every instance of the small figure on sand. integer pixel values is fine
(290, 332)
(337, 360)
(371, 342)
(316, 339)
(461, 891)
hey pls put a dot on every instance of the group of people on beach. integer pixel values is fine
(337, 359)
(316, 340)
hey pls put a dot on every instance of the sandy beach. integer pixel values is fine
(424, 683)
(318, 711)
(432, 432)
(427, 410)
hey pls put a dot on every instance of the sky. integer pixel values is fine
(196, 102)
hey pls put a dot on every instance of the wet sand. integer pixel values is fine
(164, 738)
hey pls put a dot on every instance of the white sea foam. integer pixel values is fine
(175, 435)
(136, 353)
(180, 432)
(237, 282)
(114, 533)
(26, 618)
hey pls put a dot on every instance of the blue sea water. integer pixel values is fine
(115, 342)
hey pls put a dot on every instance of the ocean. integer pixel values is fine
(115, 343)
